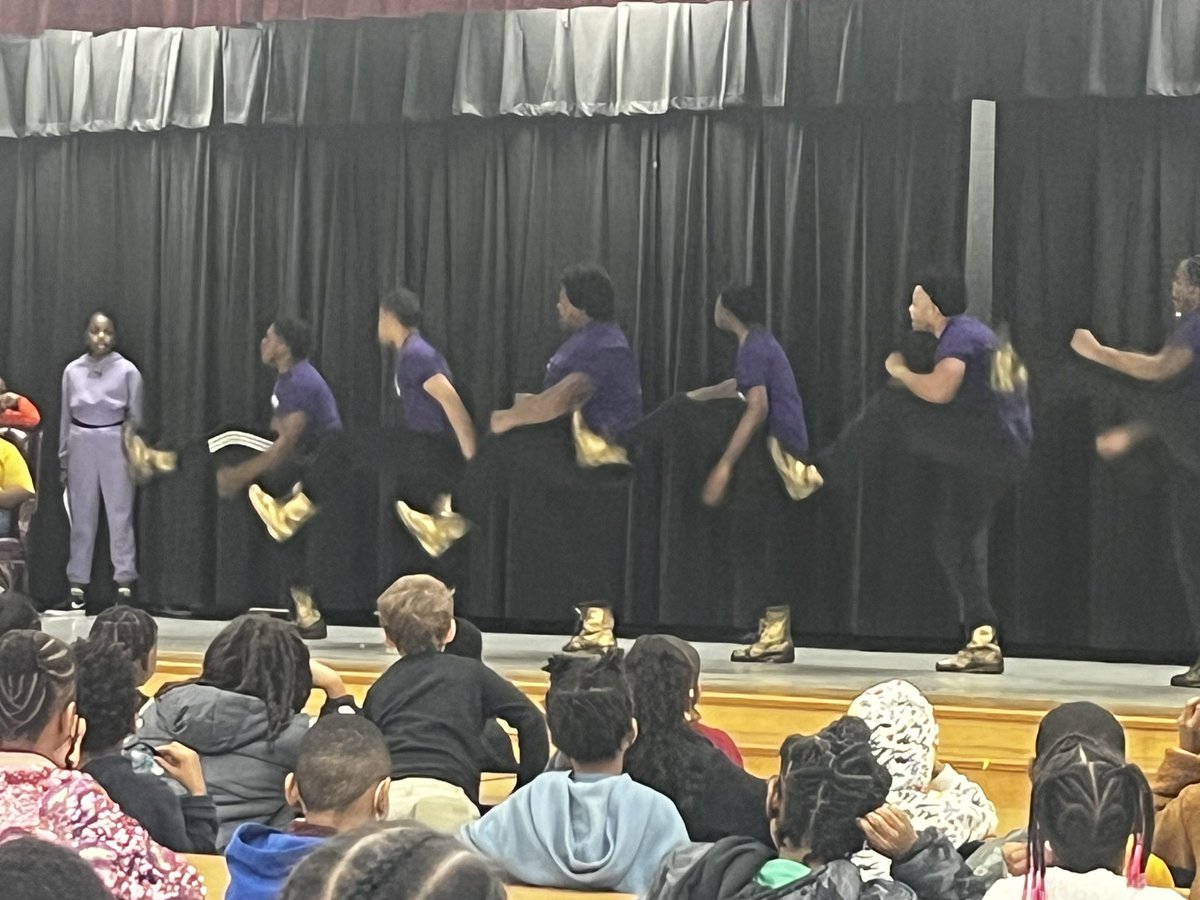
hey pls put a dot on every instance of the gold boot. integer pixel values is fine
(981, 656)
(283, 518)
(435, 531)
(306, 617)
(774, 644)
(143, 461)
(595, 631)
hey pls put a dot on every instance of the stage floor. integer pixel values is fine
(1125, 688)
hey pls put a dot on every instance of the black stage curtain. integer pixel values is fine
(1096, 202)
(191, 239)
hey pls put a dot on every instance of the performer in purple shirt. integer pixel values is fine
(764, 379)
(1161, 391)
(969, 417)
(424, 460)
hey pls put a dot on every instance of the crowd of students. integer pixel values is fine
(102, 789)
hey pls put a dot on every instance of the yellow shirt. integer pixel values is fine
(14, 473)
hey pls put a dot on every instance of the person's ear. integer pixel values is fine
(291, 793)
(774, 797)
(65, 726)
(451, 632)
(631, 737)
(382, 803)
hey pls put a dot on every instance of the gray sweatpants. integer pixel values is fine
(95, 468)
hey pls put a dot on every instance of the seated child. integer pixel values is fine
(341, 782)
(592, 828)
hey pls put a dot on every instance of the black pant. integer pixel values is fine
(977, 459)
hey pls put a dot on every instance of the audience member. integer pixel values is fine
(136, 632)
(1086, 804)
(497, 755)
(41, 796)
(340, 783)
(17, 411)
(904, 738)
(16, 485)
(393, 861)
(17, 613)
(431, 708)
(39, 870)
(107, 698)
(1176, 787)
(715, 797)
(243, 716)
(715, 736)
(828, 793)
(592, 828)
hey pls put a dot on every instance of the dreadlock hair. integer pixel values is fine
(668, 755)
(393, 860)
(1086, 802)
(105, 693)
(33, 869)
(588, 707)
(261, 657)
(37, 681)
(17, 613)
(826, 783)
(133, 630)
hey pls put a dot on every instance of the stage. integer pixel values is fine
(988, 723)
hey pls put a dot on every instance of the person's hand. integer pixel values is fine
(327, 680)
(501, 421)
(228, 481)
(183, 764)
(1016, 857)
(717, 483)
(895, 364)
(1085, 344)
(889, 831)
(1115, 442)
(1189, 726)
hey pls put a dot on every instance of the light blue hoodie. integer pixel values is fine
(586, 832)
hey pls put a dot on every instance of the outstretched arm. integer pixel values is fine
(722, 391)
(442, 390)
(290, 428)
(757, 407)
(569, 394)
(1168, 362)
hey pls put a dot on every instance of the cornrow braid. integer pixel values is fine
(128, 627)
(1087, 801)
(37, 679)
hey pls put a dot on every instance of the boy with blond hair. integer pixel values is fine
(431, 708)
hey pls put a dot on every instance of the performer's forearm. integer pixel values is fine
(722, 391)
(752, 419)
(1141, 366)
(929, 387)
(464, 431)
(14, 497)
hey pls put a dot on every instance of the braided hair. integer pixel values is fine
(105, 693)
(17, 613)
(1087, 802)
(37, 681)
(261, 657)
(393, 860)
(132, 629)
(827, 782)
(588, 707)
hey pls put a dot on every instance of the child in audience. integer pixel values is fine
(106, 698)
(431, 708)
(40, 795)
(904, 738)
(243, 715)
(497, 753)
(340, 783)
(714, 736)
(38, 870)
(393, 861)
(17, 613)
(592, 828)
(136, 632)
(1087, 802)
(715, 797)
(826, 798)
(17, 411)
(1176, 787)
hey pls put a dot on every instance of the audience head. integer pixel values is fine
(937, 295)
(1082, 718)
(393, 861)
(101, 334)
(1185, 289)
(1087, 802)
(38, 870)
(343, 772)
(744, 304)
(586, 294)
(37, 695)
(904, 732)
(105, 695)
(589, 709)
(133, 630)
(286, 339)
(17, 613)
(264, 658)
(826, 783)
(399, 313)
(417, 614)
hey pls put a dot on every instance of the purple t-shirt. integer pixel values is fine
(416, 363)
(600, 351)
(968, 339)
(1187, 334)
(762, 362)
(302, 389)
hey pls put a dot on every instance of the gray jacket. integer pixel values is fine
(244, 771)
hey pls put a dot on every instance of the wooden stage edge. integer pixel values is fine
(988, 740)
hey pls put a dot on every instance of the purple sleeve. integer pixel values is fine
(424, 365)
(958, 344)
(751, 368)
(1188, 335)
(290, 398)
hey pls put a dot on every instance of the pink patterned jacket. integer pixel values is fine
(39, 800)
